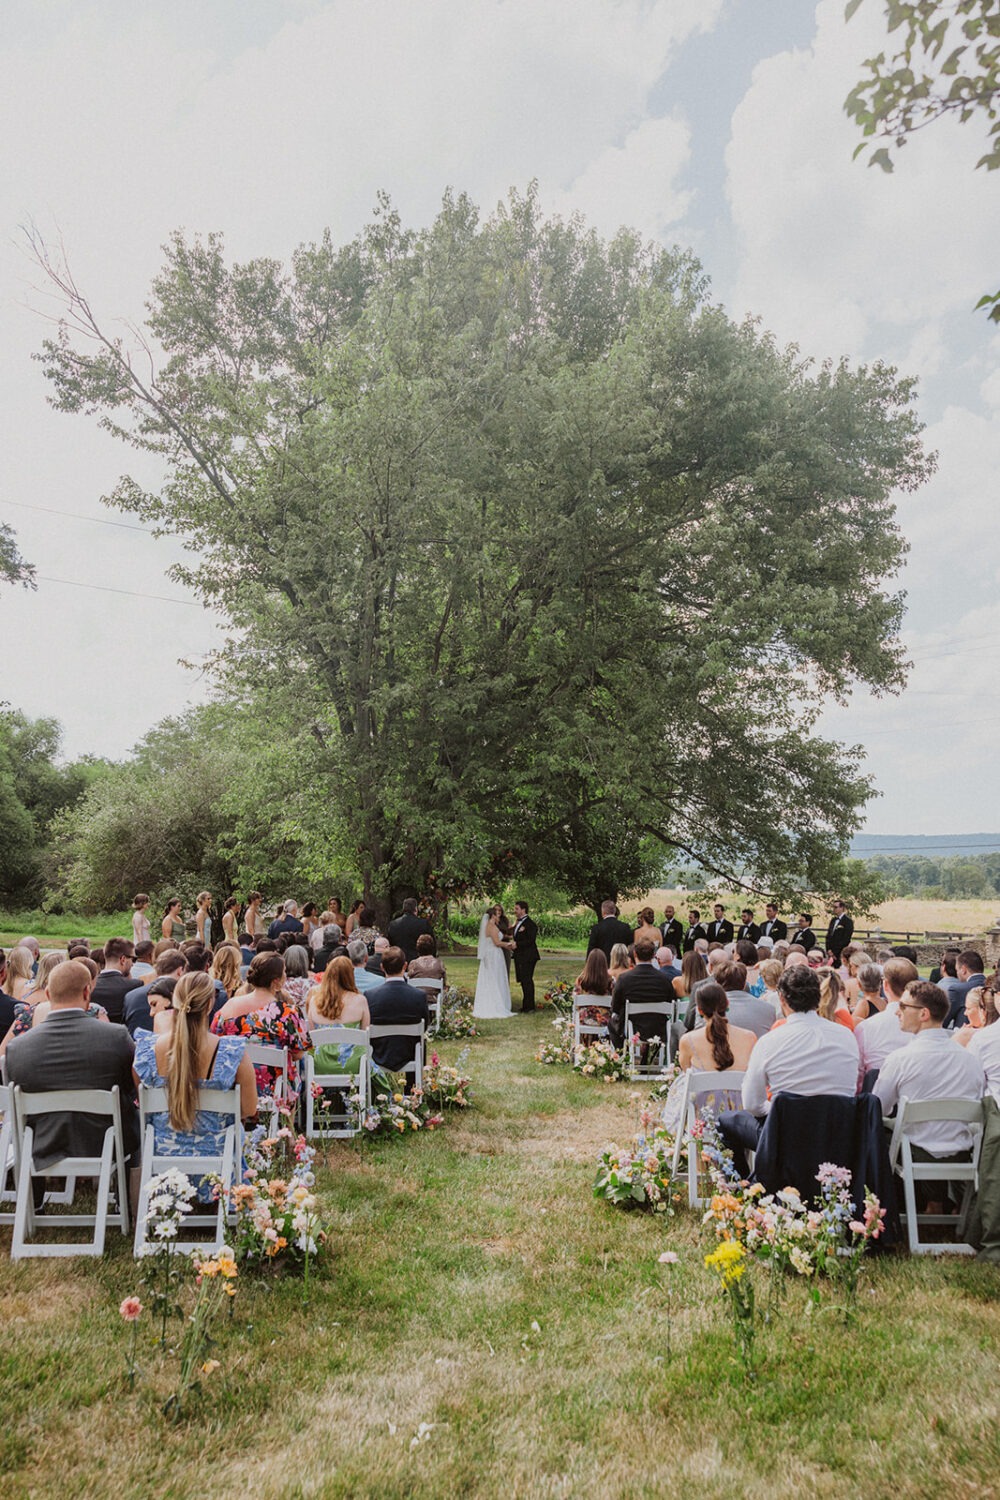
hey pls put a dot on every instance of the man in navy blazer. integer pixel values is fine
(396, 1003)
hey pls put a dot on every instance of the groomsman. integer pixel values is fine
(672, 929)
(840, 930)
(773, 927)
(721, 930)
(804, 937)
(696, 929)
(748, 930)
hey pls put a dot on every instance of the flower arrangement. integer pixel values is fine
(601, 1060)
(640, 1176)
(729, 1261)
(214, 1284)
(560, 995)
(455, 1022)
(393, 1112)
(169, 1199)
(445, 1085)
(277, 1212)
(559, 1050)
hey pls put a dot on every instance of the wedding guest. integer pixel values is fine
(310, 920)
(745, 952)
(744, 1009)
(230, 913)
(882, 1034)
(288, 921)
(140, 921)
(833, 998)
(172, 925)
(969, 971)
(770, 973)
(142, 966)
(318, 934)
(870, 1001)
(115, 979)
(336, 1002)
(380, 948)
(405, 929)
(138, 1009)
(298, 981)
(694, 969)
(353, 917)
(644, 983)
(931, 1067)
(364, 979)
(716, 1045)
(595, 979)
(20, 972)
(265, 1014)
(366, 928)
(161, 994)
(24, 1010)
(620, 962)
(396, 1002)
(252, 919)
(8, 1005)
(426, 965)
(980, 1011)
(611, 930)
(227, 965)
(332, 946)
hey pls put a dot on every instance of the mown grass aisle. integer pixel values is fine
(478, 1289)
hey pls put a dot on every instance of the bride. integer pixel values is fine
(492, 984)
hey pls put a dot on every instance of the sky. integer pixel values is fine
(712, 124)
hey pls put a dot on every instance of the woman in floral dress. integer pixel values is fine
(266, 1014)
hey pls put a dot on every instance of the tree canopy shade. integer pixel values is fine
(526, 530)
(947, 64)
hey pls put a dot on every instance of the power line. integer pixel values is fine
(103, 588)
(70, 515)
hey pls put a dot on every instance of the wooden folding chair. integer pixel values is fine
(108, 1168)
(345, 1123)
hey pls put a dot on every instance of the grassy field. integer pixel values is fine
(447, 1250)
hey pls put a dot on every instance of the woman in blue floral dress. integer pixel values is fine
(184, 1059)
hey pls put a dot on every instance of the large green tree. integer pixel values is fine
(35, 788)
(525, 530)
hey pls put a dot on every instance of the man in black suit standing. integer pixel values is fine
(721, 929)
(840, 930)
(404, 930)
(672, 929)
(396, 1003)
(696, 930)
(526, 954)
(71, 1050)
(748, 931)
(608, 931)
(804, 937)
(772, 926)
(645, 983)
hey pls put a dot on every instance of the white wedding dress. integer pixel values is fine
(492, 1000)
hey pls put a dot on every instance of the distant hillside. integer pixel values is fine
(930, 846)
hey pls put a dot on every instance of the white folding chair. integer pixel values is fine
(582, 1028)
(657, 1055)
(909, 1113)
(697, 1085)
(223, 1164)
(433, 989)
(108, 1168)
(345, 1123)
(262, 1054)
(8, 1183)
(415, 1029)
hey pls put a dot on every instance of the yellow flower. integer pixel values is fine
(210, 1366)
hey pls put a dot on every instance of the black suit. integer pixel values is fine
(71, 1050)
(404, 931)
(526, 956)
(699, 930)
(673, 934)
(323, 955)
(8, 1010)
(805, 938)
(643, 984)
(606, 933)
(775, 929)
(839, 934)
(720, 932)
(110, 989)
(402, 1004)
(748, 932)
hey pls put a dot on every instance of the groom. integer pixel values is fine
(526, 954)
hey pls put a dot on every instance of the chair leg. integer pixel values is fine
(24, 1216)
(103, 1194)
(910, 1199)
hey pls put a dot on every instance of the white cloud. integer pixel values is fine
(635, 183)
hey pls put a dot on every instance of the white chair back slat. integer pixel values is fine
(345, 1123)
(414, 1029)
(109, 1169)
(914, 1112)
(222, 1163)
(699, 1082)
(582, 1028)
(658, 1058)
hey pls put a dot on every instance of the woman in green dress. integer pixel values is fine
(335, 1002)
(172, 925)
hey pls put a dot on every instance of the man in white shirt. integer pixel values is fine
(984, 1046)
(807, 1055)
(931, 1066)
(882, 1034)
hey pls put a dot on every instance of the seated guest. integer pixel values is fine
(983, 1042)
(366, 928)
(199, 961)
(395, 1002)
(332, 946)
(160, 1000)
(364, 979)
(595, 979)
(379, 949)
(70, 1052)
(694, 970)
(405, 929)
(115, 981)
(744, 1009)
(620, 962)
(138, 1010)
(326, 919)
(666, 962)
(426, 965)
(807, 1056)
(745, 953)
(832, 998)
(226, 968)
(298, 981)
(265, 1014)
(980, 1011)
(335, 1002)
(870, 1001)
(143, 966)
(247, 949)
(644, 984)
(931, 1067)
(184, 1058)
(165, 945)
(770, 973)
(882, 1034)
(969, 971)
(714, 1047)
(24, 1011)
(20, 972)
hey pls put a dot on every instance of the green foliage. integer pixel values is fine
(964, 878)
(947, 63)
(34, 789)
(554, 563)
(13, 568)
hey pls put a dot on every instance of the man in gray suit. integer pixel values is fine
(71, 1050)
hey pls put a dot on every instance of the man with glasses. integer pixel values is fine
(115, 979)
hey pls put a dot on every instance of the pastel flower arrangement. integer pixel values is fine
(393, 1112)
(560, 994)
(448, 1086)
(601, 1060)
(640, 1177)
(559, 1050)
(277, 1212)
(456, 1021)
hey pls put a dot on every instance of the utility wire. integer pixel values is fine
(103, 588)
(70, 515)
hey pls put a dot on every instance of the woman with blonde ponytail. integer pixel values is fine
(184, 1059)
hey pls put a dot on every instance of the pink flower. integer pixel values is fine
(855, 1227)
(669, 1258)
(130, 1309)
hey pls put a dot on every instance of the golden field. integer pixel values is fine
(906, 914)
